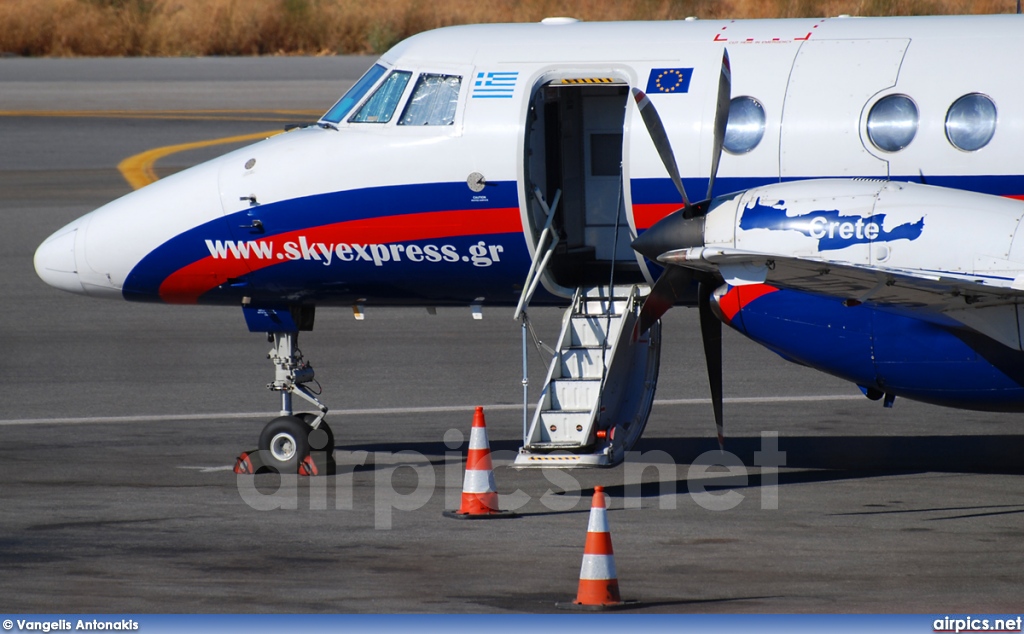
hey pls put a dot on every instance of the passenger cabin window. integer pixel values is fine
(354, 94)
(745, 128)
(892, 123)
(433, 101)
(380, 107)
(971, 122)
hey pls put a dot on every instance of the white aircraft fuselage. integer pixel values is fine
(340, 204)
(427, 184)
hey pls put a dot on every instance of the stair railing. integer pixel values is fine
(533, 276)
(542, 255)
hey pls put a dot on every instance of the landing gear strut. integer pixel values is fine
(292, 373)
(286, 442)
(290, 442)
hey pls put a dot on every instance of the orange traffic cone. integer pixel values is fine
(244, 463)
(599, 585)
(479, 493)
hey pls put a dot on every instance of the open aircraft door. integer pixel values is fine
(600, 383)
(586, 142)
(573, 150)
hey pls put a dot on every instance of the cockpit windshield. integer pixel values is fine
(433, 101)
(380, 107)
(354, 94)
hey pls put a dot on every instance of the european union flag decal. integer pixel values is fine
(669, 80)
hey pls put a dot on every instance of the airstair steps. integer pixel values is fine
(574, 393)
(600, 383)
(589, 331)
(583, 363)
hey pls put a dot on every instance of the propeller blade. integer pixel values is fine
(721, 117)
(657, 131)
(711, 333)
(684, 229)
(666, 291)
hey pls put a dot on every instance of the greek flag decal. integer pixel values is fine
(495, 85)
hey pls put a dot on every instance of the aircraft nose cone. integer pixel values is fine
(670, 233)
(55, 261)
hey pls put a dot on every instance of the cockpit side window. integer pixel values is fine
(380, 107)
(433, 101)
(354, 94)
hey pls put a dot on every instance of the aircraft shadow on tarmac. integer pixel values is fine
(808, 460)
(865, 456)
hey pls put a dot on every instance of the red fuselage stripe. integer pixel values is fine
(188, 283)
(739, 296)
(647, 214)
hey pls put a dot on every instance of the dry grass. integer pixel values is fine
(261, 27)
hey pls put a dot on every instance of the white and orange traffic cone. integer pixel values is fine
(599, 585)
(479, 493)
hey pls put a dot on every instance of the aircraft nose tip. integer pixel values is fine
(55, 261)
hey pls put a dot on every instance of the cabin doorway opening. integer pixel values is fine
(574, 145)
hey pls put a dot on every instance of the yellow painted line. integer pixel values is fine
(189, 115)
(138, 170)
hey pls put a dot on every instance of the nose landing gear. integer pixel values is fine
(291, 443)
(287, 441)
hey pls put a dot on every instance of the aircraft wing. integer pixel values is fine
(935, 291)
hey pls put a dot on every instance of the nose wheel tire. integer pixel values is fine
(284, 443)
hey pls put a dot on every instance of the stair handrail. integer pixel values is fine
(538, 264)
(556, 357)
